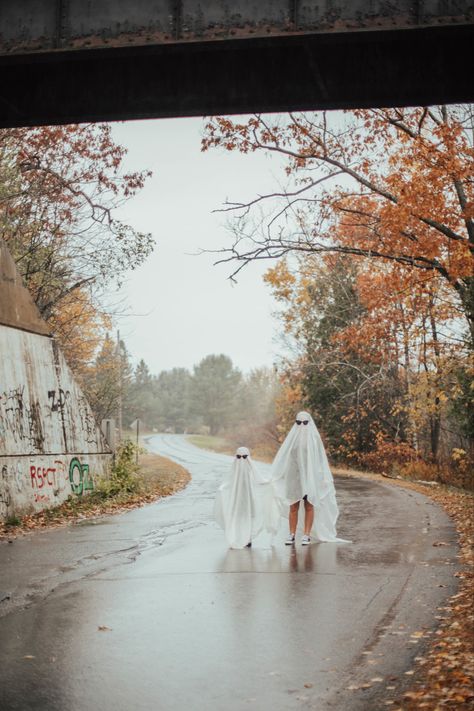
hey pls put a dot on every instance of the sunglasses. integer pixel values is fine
(302, 422)
(241, 456)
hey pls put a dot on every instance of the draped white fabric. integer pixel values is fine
(244, 503)
(301, 468)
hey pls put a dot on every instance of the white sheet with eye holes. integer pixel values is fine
(245, 504)
(301, 468)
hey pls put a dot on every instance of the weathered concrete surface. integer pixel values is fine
(50, 444)
(17, 308)
(111, 60)
(192, 625)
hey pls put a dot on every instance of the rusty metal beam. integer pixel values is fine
(44, 25)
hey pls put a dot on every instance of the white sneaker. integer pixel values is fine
(305, 541)
(290, 541)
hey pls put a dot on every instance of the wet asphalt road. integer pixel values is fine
(191, 625)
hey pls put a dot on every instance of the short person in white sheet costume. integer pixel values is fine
(300, 470)
(239, 504)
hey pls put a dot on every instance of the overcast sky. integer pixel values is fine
(181, 307)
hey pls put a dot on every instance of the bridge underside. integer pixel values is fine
(67, 61)
(309, 71)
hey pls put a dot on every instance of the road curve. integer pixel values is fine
(189, 625)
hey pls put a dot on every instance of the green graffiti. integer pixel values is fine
(80, 477)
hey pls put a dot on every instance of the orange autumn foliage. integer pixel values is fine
(60, 188)
(79, 327)
(392, 185)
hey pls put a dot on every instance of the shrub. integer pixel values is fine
(13, 521)
(124, 474)
(388, 457)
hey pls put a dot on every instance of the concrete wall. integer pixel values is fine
(50, 444)
(17, 307)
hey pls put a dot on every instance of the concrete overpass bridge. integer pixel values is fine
(70, 61)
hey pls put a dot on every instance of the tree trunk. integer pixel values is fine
(466, 294)
(435, 432)
(435, 423)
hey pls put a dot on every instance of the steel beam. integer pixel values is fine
(319, 71)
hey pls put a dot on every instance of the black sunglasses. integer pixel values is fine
(241, 456)
(302, 422)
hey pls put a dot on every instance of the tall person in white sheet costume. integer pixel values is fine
(300, 471)
(241, 501)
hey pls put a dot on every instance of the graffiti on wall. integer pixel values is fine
(21, 419)
(50, 444)
(49, 481)
(73, 414)
(5, 495)
(80, 477)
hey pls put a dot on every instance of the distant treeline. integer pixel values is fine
(215, 397)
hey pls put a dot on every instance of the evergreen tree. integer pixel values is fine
(214, 392)
(172, 399)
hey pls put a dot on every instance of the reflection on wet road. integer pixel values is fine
(188, 624)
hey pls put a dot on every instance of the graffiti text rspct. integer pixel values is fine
(49, 480)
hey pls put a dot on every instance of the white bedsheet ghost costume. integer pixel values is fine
(244, 504)
(300, 469)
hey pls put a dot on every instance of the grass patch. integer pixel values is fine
(13, 521)
(214, 444)
(262, 452)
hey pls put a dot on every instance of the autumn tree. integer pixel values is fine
(392, 188)
(80, 327)
(103, 384)
(60, 187)
(393, 185)
(350, 386)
